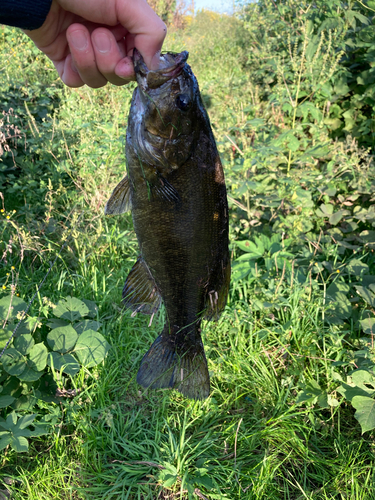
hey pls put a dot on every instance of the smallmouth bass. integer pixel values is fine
(176, 191)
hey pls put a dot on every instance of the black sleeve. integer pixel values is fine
(25, 14)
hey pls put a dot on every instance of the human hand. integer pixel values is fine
(91, 41)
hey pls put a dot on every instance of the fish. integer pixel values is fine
(175, 189)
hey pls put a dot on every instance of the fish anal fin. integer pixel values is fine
(120, 201)
(140, 292)
(163, 367)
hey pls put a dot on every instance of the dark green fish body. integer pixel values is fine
(177, 193)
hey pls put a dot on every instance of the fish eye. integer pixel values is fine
(183, 102)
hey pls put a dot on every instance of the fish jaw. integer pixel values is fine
(171, 66)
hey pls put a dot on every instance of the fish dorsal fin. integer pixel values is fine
(120, 201)
(140, 293)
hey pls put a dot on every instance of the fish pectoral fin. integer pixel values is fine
(140, 293)
(165, 191)
(163, 367)
(120, 201)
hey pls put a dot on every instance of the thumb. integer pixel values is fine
(147, 28)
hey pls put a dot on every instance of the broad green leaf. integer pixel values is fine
(369, 238)
(325, 209)
(249, 246)
(91, 348)
(241, 269)
(248, 256)
(323, 400)
(13, 362)
(314, 152)
(25, 403)
(38, 357)
(25, 421)
(366, 294)
(24, 343)
(350, 391)
(262, 243)
(336, 289)
(168, 475)
(10, 422)
(21, 432)
(365, 413)
(335, 123)
(66, 363)
(304, 397)
(55, 323)
(337, 216)
(30, 375)
(368, 325)
(6, 401)
(357, 267)
(10, 386)
(361, 17)
(5, 439)
(71, 309)
(9, 307)
(93, 308)
(293, 143)
(362, 377)
(62, 339)
(20, 444)
(87, 324)
(205, 481)
(39, 430)
(169, 480)
(4, 337)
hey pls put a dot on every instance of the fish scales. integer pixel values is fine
(176, 190)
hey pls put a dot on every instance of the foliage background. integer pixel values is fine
(289, 89)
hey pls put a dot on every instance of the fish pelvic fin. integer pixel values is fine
(120, 201)
(217, 298)
(140, 293)
(163, 367)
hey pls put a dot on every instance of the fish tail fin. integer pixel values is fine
(163, 367)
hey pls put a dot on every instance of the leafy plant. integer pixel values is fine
(14, 431)
(25, 377)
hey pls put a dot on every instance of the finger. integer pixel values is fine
(83, 54)
(125, 70)
(107, 54)
(68, 72)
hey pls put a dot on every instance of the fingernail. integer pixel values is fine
(102, 42)
(78, 39)
(155, 61)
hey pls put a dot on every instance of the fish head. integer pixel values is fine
(167, 101)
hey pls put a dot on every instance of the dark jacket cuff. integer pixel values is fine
(25, 14)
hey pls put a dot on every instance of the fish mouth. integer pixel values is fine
(172, 65)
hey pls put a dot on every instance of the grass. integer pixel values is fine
(248, 440)
(254, 437)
